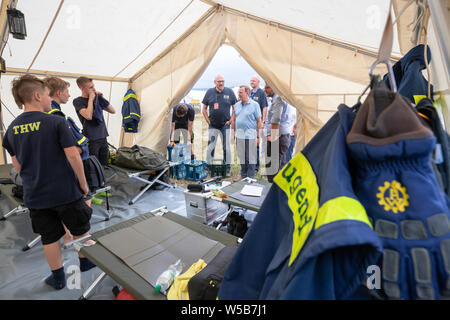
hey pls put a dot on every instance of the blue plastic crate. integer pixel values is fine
(178, 171)
(195, 170)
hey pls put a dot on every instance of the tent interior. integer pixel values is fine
(314, 54)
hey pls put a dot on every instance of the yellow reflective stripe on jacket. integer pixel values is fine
(53, 110)
(418, 97)
(298, 181)
(341, 208)
(81, 140)
(128, 96)
(131, 114)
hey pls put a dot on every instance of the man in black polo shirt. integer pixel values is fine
(89, 109)
(259, 96)
(220, 101)
(43, 151)
(182, 124)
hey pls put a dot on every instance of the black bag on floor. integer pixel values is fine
(17, 190)
(95, 176)
(205, 284)
(236, 224)
(163, 178)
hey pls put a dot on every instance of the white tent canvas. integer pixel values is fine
(314, 54)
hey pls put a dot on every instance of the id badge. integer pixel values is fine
(216, 106)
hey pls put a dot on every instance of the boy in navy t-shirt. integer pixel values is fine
(43, 151)
(89, 107)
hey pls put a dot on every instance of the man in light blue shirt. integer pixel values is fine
(245, 121)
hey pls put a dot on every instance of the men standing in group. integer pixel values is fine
(259, 96)
(246, 121)
(278, 134)
(89, 107)
(220, 101)
(182, 125)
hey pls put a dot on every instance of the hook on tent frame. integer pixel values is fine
(390, 73)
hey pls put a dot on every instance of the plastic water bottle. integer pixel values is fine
(166, 278)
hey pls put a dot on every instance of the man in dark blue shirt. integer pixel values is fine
(219, 101)
(43, 151)
(259, 96)
(91, 117)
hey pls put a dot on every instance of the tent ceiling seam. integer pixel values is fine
(5, 31)
(12, 71)
(154, 40)
(306, 33)
(46, 35)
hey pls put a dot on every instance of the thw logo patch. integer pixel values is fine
(393, 196)
(28, 127)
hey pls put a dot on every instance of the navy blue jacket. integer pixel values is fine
(312, 238)
(131, 112)
(408, 76)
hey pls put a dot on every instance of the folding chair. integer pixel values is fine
(136, 174)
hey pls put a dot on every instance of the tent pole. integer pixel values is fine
(4, 21)
(46, 35)
(4, 37)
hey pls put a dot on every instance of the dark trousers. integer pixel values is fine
(99, 149)
(257, 157)
(290, 151)
(224, 134)
(276, 155)
(246, 150)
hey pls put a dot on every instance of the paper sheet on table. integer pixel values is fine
(254, 191)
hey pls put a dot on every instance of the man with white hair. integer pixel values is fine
(219, 101)
(259, 96)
